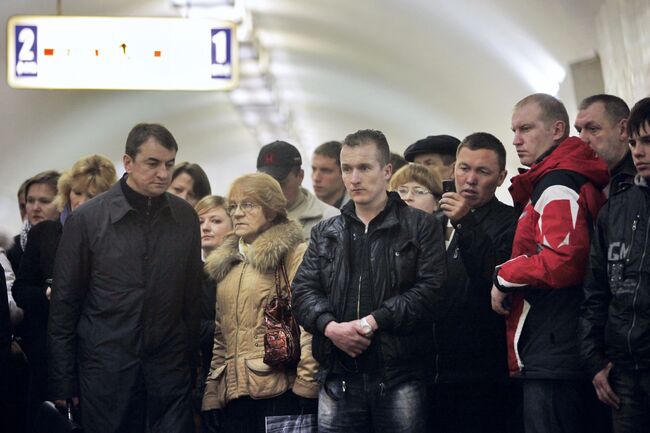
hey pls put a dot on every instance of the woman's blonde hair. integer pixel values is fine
(420, 174)
(210, 202)
(95, 173)
(261, 189)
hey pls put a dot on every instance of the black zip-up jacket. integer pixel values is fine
(615, 315)
(470, 336)
(407, 261)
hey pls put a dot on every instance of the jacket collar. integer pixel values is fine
(264, 254)
(625, 167)
(119, 205)
(481, 212)
(572, 154)
(388, 217)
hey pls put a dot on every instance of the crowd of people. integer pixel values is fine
(424, 303)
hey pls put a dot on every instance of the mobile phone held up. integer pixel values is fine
(448, 186)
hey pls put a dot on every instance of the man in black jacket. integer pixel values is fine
(602, 124)
(123, 317)
(471, 365)
(366, 291)
(614, 324)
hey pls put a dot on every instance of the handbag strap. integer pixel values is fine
(282, 271)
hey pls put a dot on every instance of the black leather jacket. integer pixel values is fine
(614, 320)
(407, 261)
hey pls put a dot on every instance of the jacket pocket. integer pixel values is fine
(215, 389)
(265, 381)
(405, 257)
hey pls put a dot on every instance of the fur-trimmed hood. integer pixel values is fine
(265, 252)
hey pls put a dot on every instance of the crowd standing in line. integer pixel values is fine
(423, 307)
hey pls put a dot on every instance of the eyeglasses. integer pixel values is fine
(246, 207)
(403, 191)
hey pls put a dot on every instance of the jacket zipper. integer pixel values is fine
(636, 291)
(635, 222)
(365, 232)
(365, 240)
(241, 276)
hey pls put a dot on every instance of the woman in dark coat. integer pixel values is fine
(88, 177)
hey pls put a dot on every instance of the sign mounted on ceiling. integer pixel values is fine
(53, 52)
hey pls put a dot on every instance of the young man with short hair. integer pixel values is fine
(614, 324)
(283, 162)
(326, 174)
(366, 291)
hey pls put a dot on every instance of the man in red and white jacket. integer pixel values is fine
(540, 288)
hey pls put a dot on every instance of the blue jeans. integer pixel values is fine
(562, 406)
(633, 388)
(361, 403)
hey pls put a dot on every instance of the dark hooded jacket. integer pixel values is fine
(124, 312)
(615, 319)
(407, 269)
(559, 199)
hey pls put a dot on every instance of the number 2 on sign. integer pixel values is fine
(26, 38)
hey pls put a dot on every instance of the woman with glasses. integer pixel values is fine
(244, 267)
(418, 186)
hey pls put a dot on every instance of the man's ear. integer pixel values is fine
(559, 129)
(388, 171)
(128, 163)
(502, 177)
(622, 130)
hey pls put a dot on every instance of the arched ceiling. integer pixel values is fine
(408, 67)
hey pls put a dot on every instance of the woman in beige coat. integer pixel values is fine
(244, 267)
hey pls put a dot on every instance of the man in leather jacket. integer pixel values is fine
(366, 290)
(614, 324)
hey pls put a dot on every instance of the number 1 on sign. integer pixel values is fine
(220, 45)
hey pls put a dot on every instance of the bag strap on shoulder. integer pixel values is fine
(281, 272)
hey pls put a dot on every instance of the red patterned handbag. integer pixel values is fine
(282, 337)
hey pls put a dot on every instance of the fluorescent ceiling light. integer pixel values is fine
(242, 97)
(203, 3)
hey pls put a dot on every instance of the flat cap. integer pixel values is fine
(442, 144)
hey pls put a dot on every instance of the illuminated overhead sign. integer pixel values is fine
(55, 52)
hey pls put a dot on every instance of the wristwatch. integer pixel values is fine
(367, 329)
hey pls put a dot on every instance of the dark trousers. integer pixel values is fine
(144, 398)
(469, 408)
(562, 406)
(361, 403)
(633, 388)
(245, 415)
